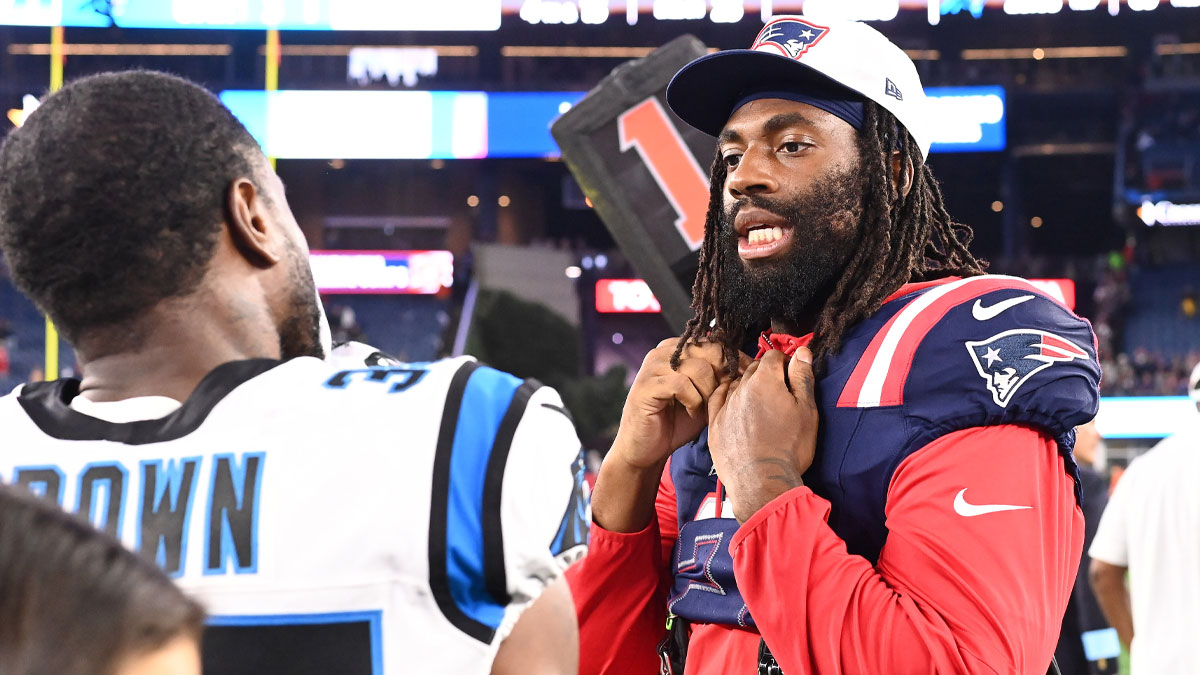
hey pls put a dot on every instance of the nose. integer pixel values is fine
(752, 175)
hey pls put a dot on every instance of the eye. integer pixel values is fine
(793, 146)
(731, 160)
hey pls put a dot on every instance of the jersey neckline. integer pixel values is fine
(48, 407)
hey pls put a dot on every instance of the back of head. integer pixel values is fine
(113, 192)
(73, 601)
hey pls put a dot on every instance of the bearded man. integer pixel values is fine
(889, 487)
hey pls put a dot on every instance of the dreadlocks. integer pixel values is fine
(904, 238)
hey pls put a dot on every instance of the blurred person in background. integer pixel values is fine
(74, 601)
(1088, 644)
(1150, 531)
(425, 531)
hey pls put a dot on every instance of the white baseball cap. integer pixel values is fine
(833, 61)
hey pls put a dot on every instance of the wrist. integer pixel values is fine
(636, 457)
(756, 485)
(624, 496)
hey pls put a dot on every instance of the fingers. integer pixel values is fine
(717, 400)
(702, 374)
(800, 375)
(794, 373)
(772, 364)
(751, 369)
(681, 388)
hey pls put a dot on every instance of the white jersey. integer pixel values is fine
(1152, 526)
(382, 520)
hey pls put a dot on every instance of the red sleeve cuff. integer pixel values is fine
(606, 539)
(819, 508)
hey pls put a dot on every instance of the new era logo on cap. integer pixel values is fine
(789, 35)
(892, 90)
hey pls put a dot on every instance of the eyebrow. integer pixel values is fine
(771, 126)
(728, 136)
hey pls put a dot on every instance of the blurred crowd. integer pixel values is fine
(1146, 373)
(1163, 140)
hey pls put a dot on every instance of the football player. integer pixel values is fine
(400, 518)
(889, 488)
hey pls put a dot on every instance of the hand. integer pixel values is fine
(762, 435)
(667, 408)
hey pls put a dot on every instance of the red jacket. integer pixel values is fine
(951, 593)
(938, 530)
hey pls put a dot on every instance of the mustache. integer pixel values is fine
(776, 207)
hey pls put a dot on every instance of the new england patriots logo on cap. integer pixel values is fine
(790, 36)
(1008, 360)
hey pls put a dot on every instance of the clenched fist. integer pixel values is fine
(763, 430)
(665, 409)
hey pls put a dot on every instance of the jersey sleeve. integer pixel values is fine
(620, 591)
(1006, 356)
(544, 507)
(1111, 542)
(508, 508)
(974, 577)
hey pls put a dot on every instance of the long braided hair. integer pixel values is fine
(903, 238)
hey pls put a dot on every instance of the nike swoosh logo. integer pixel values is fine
(962, 508)
(982, 313)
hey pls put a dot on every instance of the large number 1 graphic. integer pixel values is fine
(647, 128)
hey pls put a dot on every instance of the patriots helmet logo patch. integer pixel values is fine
(790, 36)
(1007, 360)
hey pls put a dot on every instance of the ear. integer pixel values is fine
(902, 176)
(249, 223)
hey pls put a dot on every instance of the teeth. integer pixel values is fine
(764, 235)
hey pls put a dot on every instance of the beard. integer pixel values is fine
(826, 228)
(300, 331)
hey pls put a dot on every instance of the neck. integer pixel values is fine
(170, 349)
(793, 328)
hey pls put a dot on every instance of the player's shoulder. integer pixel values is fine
(9, 403)
(982, 350)
(460, 387)
(382, 393)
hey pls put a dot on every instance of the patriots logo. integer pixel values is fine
(790, 36)
(1007, 360)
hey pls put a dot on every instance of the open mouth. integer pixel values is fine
(763, 241)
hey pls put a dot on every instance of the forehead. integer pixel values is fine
(766, 116)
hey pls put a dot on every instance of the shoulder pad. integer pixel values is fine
(983, 350)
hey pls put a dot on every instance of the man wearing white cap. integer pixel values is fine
(889, 487)
(1151, 530)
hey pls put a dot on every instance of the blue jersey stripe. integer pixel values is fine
(484, 403)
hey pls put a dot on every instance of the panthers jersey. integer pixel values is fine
(361, 521)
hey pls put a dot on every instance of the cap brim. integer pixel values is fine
(704, 91)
